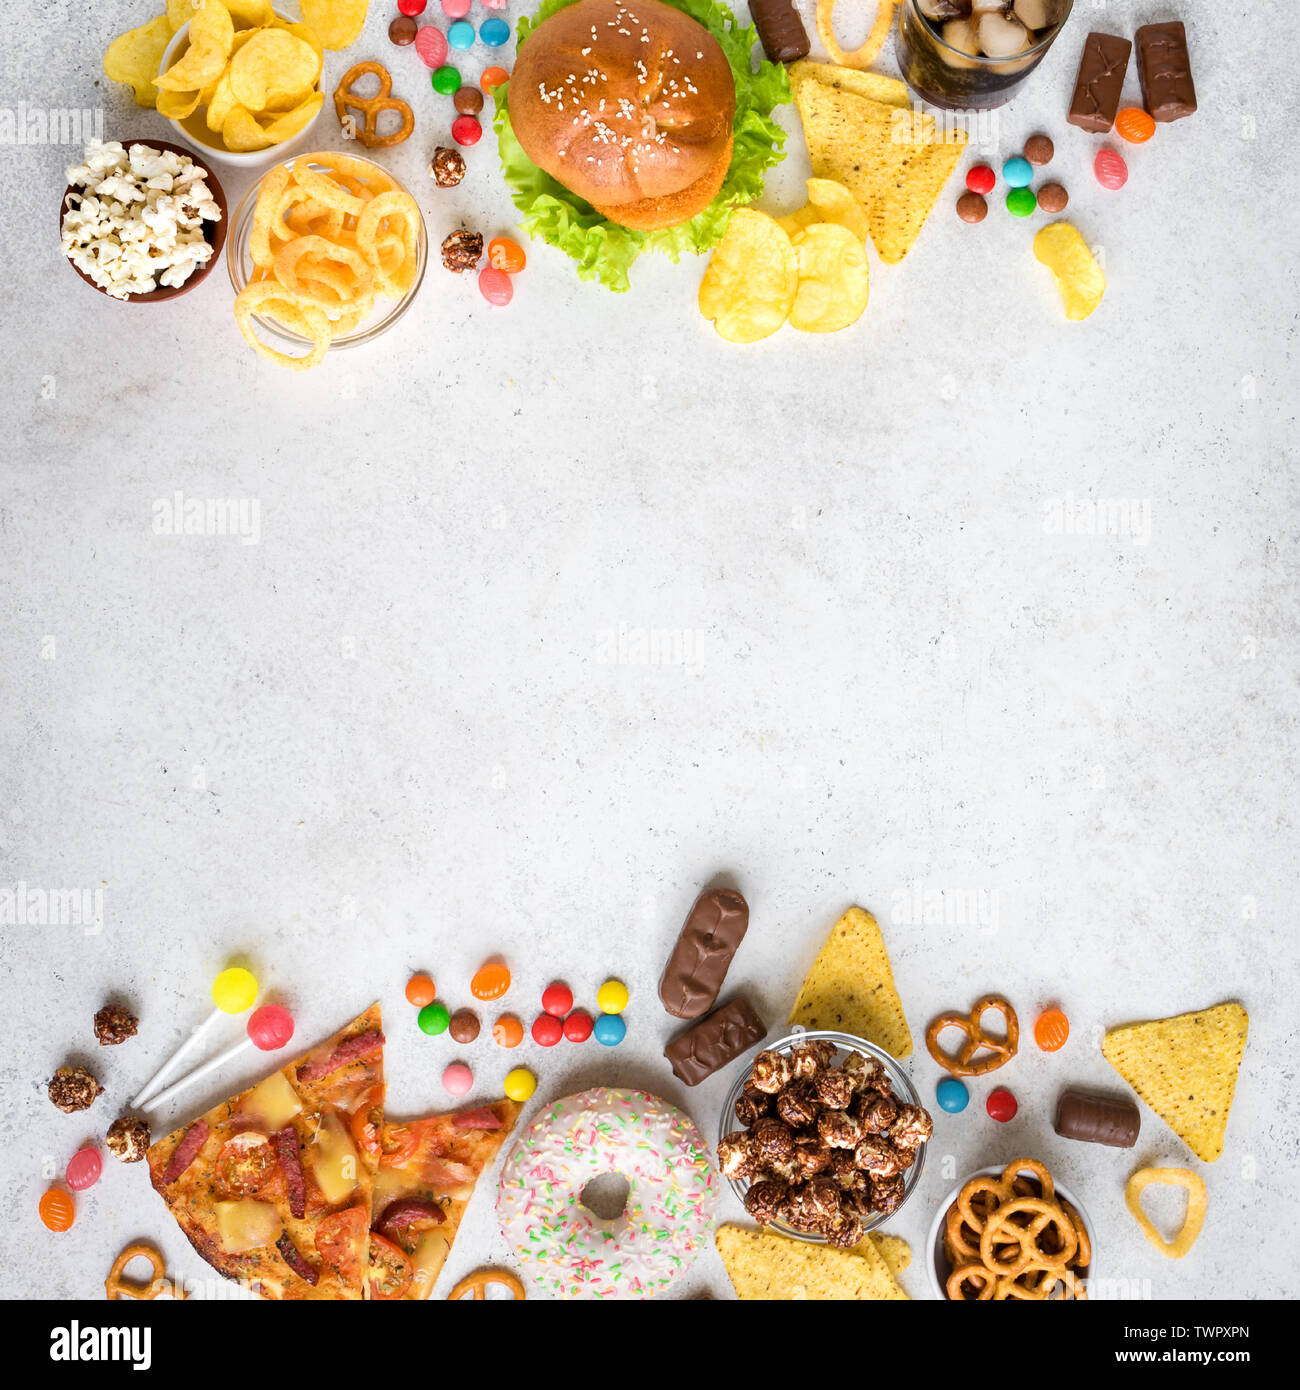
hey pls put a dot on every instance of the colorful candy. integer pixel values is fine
(413, 7)
(952, 1095)
(234, 990)
(402, 30)
(83, 1170)
(520, 1084)
(971, 207)
(455, 9)
(431, 45)
(492, 78)
(557, 998)
(433, 1019)
(446, 81)
(1051, 1029)
(495, 286)
(504, 254)
(57, 1209)
(1021, 202)
(1017, 172)
(1001, 1105)
(493, 979)
(1134, 125)
(457, 1079)
(578, 1026)
(463, 1026)
(466, 130)
(468, 101)
(610, 1030)
(1110, 169)
(612, 997)
(980, 179)
(1053, 198)
(420, 990)
(494, 32)
(270, 1027)
(507, 1031)
(1039, 150)
(461, 34)
(547, 1030)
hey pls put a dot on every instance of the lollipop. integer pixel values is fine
(269, 1029)
(233, 991)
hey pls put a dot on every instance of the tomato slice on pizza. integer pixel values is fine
(273, 1187)
(428, 1170)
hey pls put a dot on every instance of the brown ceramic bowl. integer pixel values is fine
(214, 232)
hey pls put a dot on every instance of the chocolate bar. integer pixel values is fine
(1097, 1119)
(1097, 88)
(1165, 71)
(710, 936)
(780, 30)
(726, 1034)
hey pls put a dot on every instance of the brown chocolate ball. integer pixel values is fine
(464, 1026)
(402, 30)
(1039, 149)
(972, 208)
(468, 101)
(1052, 198)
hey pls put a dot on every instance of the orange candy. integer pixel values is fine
(420, 990)
(507, 1031)
(492, 78)
(1051, 1029)
(1134, 125)
(491, 982)
(507, 255)
(56, 1209)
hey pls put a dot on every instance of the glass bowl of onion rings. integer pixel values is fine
(325, 251)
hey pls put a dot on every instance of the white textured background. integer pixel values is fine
(382, 738)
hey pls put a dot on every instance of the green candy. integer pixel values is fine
(447, 81)
(1020, 201)
(434, 1018)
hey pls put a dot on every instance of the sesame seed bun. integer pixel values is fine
(630, 105)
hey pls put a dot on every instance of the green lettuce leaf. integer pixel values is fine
(603, 250)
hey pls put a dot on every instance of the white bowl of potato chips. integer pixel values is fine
(240, 81)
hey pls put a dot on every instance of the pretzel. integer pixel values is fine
(476, 1285)
(984, 1282)
(372, 108)
(1026, 1240)
(117, 1287)
(1000, 1050)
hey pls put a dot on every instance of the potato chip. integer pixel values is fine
(765, 1266)
(212, 27)
(309, 36)
(337, 22)
(286, 125)
(751, 279)
(134, 58)
(1079, 278)
(241, 132)
(832, 202)
(250, 14)
(1185, 1068)
(796, 221)
(272, 61)
(1197, 1205)
(177, 105)
(833, 283)
(850, 987)
(180, 12)
(196, 67)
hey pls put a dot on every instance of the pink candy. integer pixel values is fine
(494, 4)
(455, 9)
(1110, 169)
(494, 285)
(84, 1168)
(457, 1079)
(431, 45)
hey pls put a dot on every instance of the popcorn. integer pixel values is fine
(138, 224)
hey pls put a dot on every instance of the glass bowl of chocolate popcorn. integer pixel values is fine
(823, 1137)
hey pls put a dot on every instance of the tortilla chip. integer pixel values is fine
(893, 160)
(865, 84)
(894, 1250)
(850, 987)
(764, 1266)
(1185, 1068)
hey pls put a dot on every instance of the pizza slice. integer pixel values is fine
(427, 1173)
(273, 1187)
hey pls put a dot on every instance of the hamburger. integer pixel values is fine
(629, 123)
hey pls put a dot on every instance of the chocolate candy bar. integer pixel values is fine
(1165, 71)
(1097, 1120)
(1097, 88)
(713, 930)
(780, 30)
(726, 1034)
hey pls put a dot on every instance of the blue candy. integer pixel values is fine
(610, 1030)
(494, 32)
(952, 1095)
(461, 34)
(1018, 172)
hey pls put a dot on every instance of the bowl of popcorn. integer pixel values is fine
(823, 1137)
(141, 222)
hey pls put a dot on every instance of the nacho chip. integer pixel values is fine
(134, 58)
(850, 987)
(764, 1266)
(337, 22)
(874, 85)
(894, 1250)
(1079, 278)
(833, 279)
(1185, 1069)
(751, 280)
(891, 159)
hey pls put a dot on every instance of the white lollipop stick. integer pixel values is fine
(269, 1028)
(233, 991)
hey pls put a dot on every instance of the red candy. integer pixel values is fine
(1001, 1105)
(557, 999)
(83, 1170)
(547, 1030)
(412, 7)
(495, 287)
(1110, 169)
(980, 179)
(466, 130)
(270, 1027)
(578, 1026)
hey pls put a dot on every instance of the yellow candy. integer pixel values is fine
(611, 997)
(234, 990)
(520, 1084)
